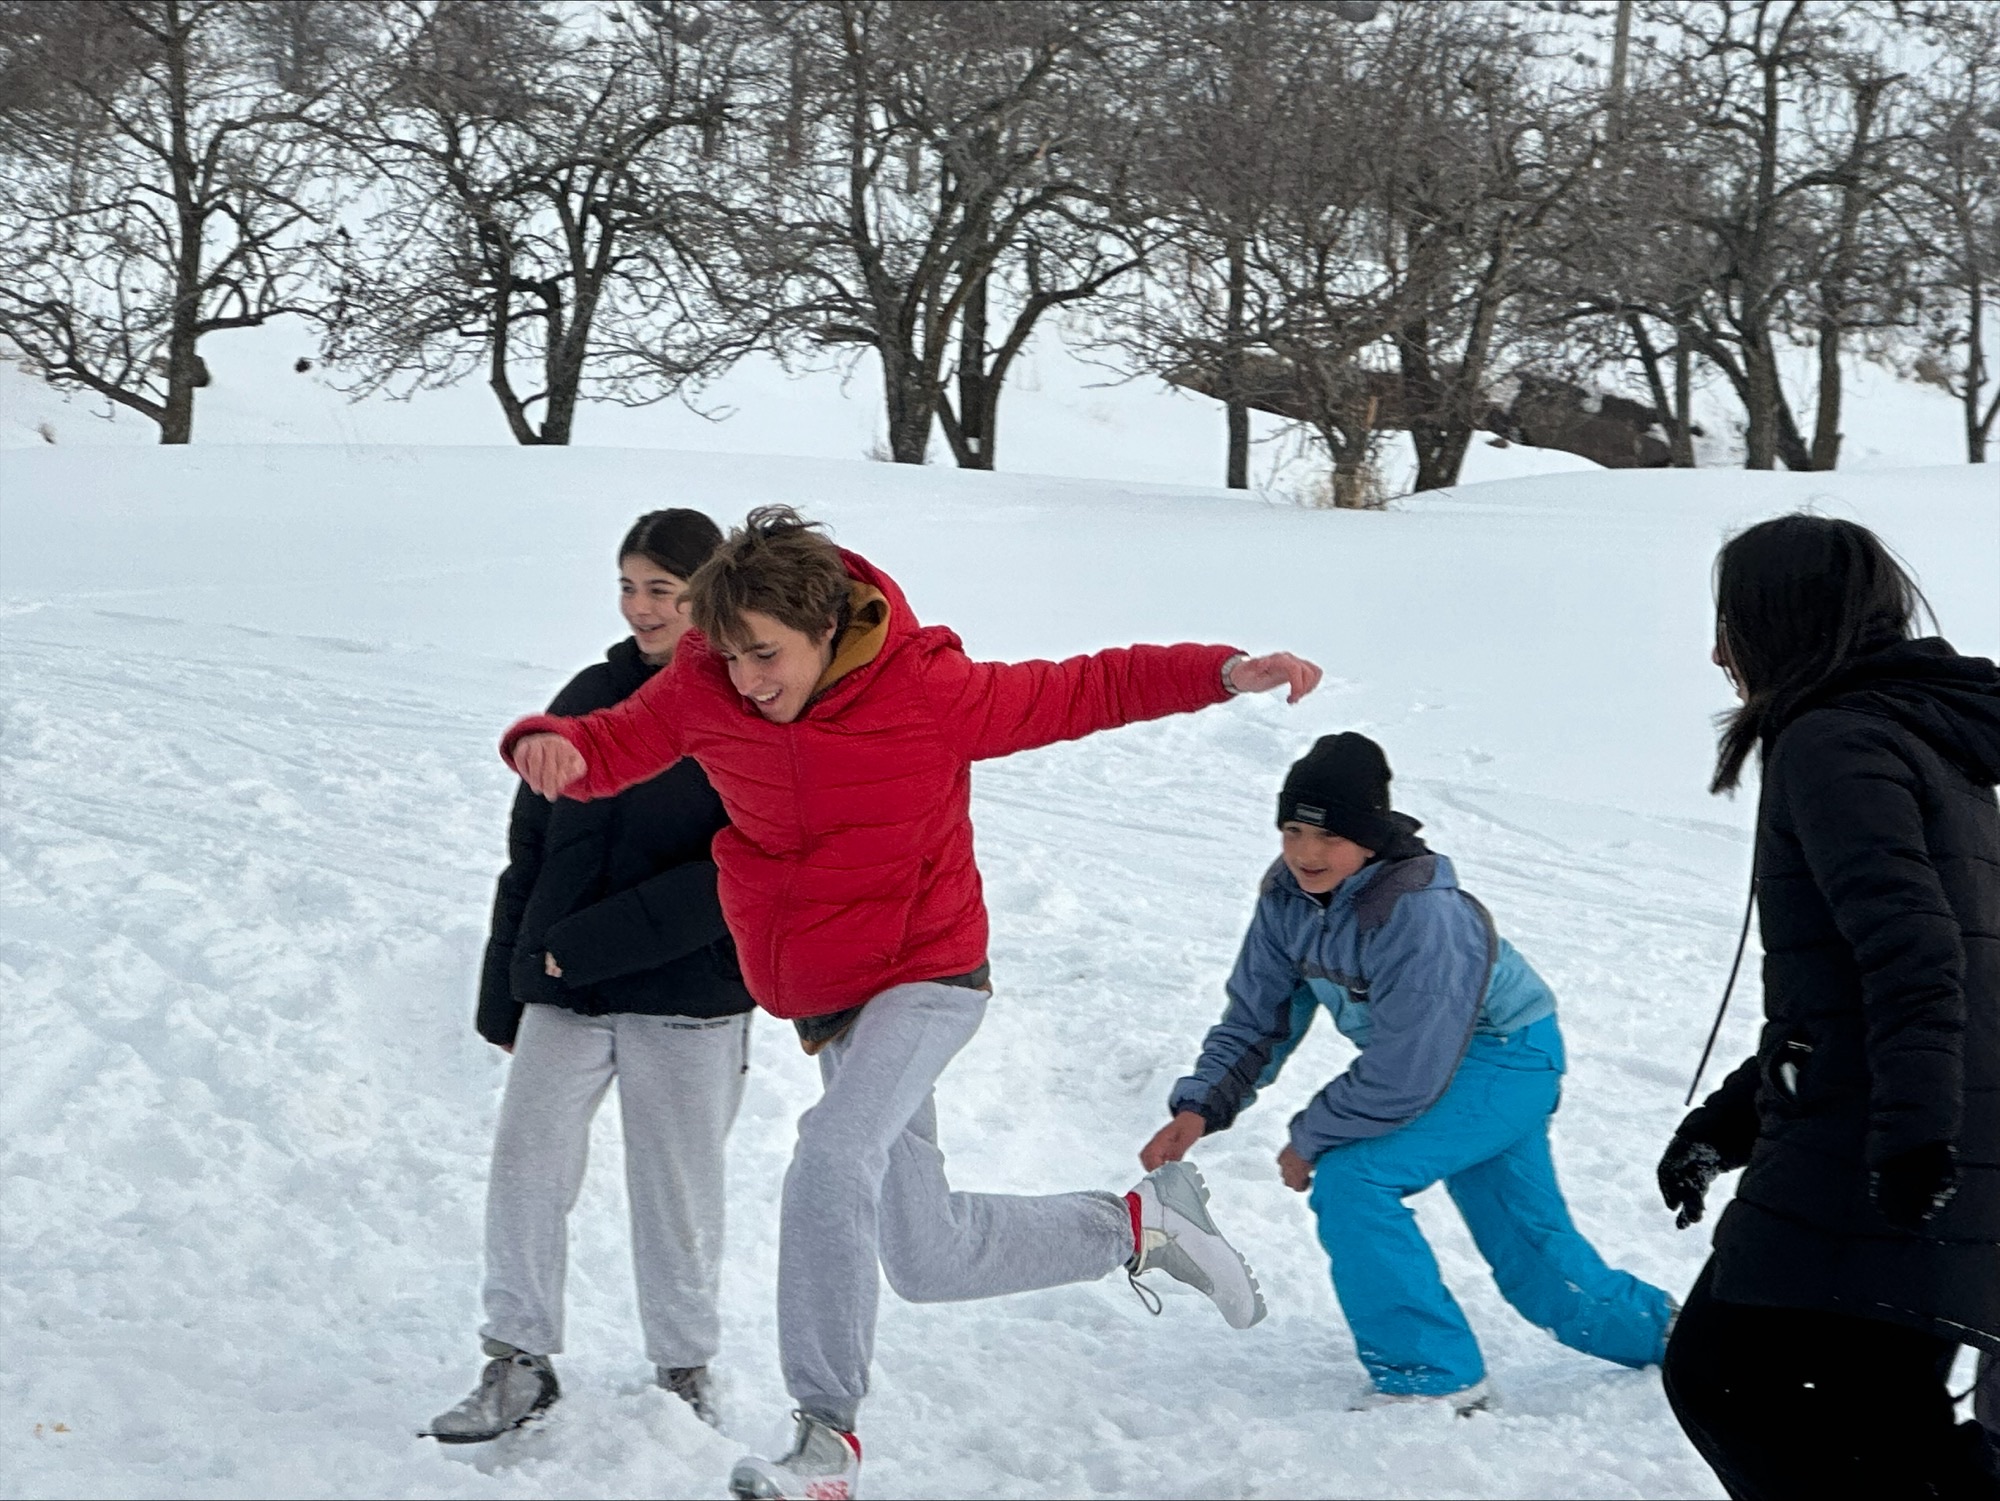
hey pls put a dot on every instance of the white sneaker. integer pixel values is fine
(823, 1464)
(1175, 1235)
(514, 1389)
(1477, 1397)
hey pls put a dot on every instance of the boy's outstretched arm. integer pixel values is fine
(1243, 1052)
(998, 708)
(598, 754)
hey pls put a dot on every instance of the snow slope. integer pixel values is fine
(1063, 414)
(250, 814)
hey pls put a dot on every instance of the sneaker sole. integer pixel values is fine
(1194, 1207)
(533, 1415)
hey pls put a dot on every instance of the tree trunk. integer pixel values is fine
(569, 350)
(1825, 452)
(183, 332)
(1760, 368)
(1423, 399)
(1975, 378)
(908, 402)
(1681, 439)
(978, 393)
(1237, 472)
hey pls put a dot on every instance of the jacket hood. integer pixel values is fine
(1950, 702)
(878, 619)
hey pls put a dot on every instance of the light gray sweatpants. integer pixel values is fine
(866, 1188)
(679, 1083)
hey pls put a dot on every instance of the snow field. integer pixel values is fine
(250, 814)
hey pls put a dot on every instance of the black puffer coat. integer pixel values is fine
(621, 890)
(1878, 861)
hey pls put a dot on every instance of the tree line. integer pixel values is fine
(1549, 222)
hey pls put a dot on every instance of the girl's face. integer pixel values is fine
(1320, 861)
(654, 603)
(775, 666)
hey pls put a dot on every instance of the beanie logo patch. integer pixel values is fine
(1307, 813)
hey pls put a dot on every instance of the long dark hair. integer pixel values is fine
(1797, 600)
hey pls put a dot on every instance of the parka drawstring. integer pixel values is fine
(1742, 942)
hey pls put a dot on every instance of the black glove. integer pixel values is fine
(1686, 1169)
(1914, 1186)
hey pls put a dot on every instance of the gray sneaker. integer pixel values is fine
(515, 1388)
(823, 1464)
(694, 1386)
(1177, 1236)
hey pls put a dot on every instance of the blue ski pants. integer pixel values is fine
(1487, 1141)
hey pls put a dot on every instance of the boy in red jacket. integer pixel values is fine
(840, 736)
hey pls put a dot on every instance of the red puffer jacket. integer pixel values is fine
(847, 866)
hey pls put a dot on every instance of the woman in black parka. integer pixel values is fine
(1863, 1244)
(609, 959)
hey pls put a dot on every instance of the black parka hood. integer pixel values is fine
(1950, 702)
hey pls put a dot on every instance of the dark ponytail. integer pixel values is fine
(1797, 600)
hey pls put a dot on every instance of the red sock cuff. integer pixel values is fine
(1138, 1238)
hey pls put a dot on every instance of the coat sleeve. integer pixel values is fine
(499, 1013)
(1856, 806)
(1727, 1119)
(1428, 967)
(997, 708)
(1267, 1015)
(633, 740)
(663, 918)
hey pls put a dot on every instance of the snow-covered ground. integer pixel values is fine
(250, 813)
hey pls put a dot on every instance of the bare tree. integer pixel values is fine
(1947, 202)
(936, 181)
(1353, 215)
(1758, 144)
(1485, 150)
(1268, 286)
(550, 206)
(162, 180)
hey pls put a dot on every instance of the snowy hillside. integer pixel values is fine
(1061, 415)
(250, 813)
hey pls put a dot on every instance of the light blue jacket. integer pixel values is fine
(1411, 969)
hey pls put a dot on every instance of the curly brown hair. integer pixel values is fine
(778, 564)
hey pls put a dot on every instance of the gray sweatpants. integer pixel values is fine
(866, 1188)
(679, 1083)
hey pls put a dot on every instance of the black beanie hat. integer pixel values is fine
(1342, 785)
(677, 540)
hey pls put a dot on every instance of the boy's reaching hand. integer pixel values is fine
(1278, 669)
(1295, 1170)
(548, 763)
(1171, 1142)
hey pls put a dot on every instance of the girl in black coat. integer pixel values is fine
(609, 959)
(1863, 1244)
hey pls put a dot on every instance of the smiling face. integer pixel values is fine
(654, 603)
(1320, 861)
(775, 666)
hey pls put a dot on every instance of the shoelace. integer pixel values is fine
(1147, 1297)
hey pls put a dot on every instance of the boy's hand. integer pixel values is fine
(548, 763)
(1171, 1142)
(1295, 1170)
(1279, 669)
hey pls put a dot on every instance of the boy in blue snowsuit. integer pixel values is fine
(1460, 1068)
